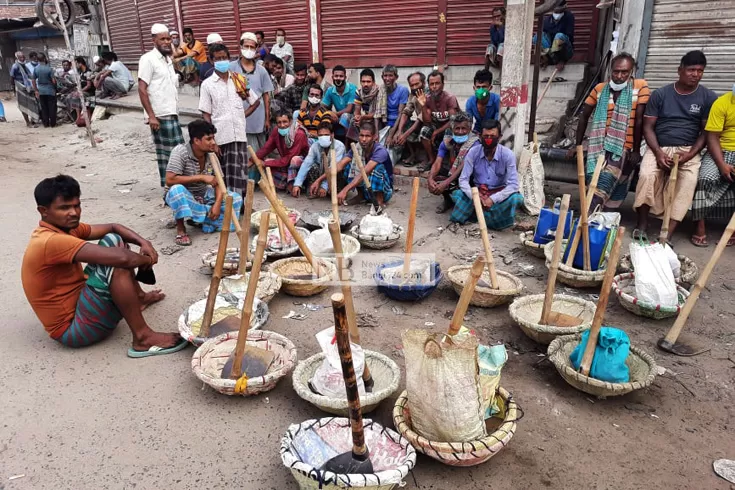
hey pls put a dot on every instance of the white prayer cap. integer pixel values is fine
(214, 38)
(158, 29)
(249, 36)
(95, 59)
(174, 32)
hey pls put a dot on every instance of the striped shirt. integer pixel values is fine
(641, 94)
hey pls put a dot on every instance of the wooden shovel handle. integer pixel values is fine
(333, 184)
(669, 201)
(357, 159)
(610, 271)
(583, 224)
(681, 320)
(247, 307)
(279, 222)
(411, 225)
(218, 265)
(554, 266)
(245, 238)
(590, 194)
(464, 299)
(348, 371)
(485, 238)
(214, 161)
(546, 88)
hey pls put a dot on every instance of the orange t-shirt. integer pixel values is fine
(51, 279)
(199, 48)
(641, 94)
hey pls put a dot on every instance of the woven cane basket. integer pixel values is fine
(226, 304)
(377, 242)
(384, 371)
(571, 276)
(274, 252)
(485, 297)
(293, 215)
(268, 285)
(350, 248)
(299, 266)
(468, 453)
(231, 264)
(392, 455)
(211, 356)
(526, 312)
(624, 287)
(535, 249)
(688, 274)
(641, 365)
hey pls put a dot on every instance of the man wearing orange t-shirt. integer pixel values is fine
(81, 307)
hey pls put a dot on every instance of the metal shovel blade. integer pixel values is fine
(227, 324)
(349, 463)
(563, 320)
(680, 348)
(255, 362)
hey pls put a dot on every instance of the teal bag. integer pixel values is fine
(613, 347)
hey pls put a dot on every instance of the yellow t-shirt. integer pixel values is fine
(722, 120)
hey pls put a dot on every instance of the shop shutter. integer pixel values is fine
(679, 27)
(269, 15)
(468, 29)
(208, 16)
(155, 11)
(122, 20)
(361, 34)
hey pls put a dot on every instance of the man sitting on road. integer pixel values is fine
(115, 79)
(314, 173)
(369, 106)
(194, 193)
(291, 143)
(491, 168)
(82, 307)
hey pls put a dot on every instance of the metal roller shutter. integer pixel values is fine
(678, 27)
(358, 34)
(206, 17)
(269, 15)
(155, 11)
(122, 19)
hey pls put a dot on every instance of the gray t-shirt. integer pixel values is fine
(259, 82)
(680, 117)
(183, 162)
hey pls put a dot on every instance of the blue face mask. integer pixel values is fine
(222, 66)
(460, 139)
(325, 141)
(283, 131)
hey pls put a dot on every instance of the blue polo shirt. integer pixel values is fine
(332, 99)
(395, 99)
(492, 111)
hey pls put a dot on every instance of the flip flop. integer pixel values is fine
(183, 240)
(699, 241)
(639, 234)
(158, 351)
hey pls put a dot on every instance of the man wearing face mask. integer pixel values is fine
(159, 96)
(259, 81)
(444, 174)
(314, 172)
(291, 96)
(340, 99)
(484, 105)
(617, 108)
(222, 105)
(491, 168)
(283, 50)
(410, 137)
(206, 69)
(290, 142)
(557, 42)
(315, 113)
(439, 107)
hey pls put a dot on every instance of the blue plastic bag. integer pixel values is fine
(598, 241)
(613, 347)
(548, 220)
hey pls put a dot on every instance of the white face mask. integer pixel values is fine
(314, 100)
(248, 53)
(617, 87)
(281, 40)
(557, 17)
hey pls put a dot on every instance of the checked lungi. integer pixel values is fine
(499, 217)
(165, 139)
(234, 166)
(282, 176)
(184, 205)
(380, 181)
(96, 314)
(27, 102)
(715, 196)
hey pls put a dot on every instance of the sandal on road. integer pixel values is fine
(730, 242)
(700, 241)
(158, 351)
(183, 240)
(639, 234)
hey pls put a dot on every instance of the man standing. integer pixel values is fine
(283, 50)
(44, 84)
(206, 69)
(340, 99)
(24, 93)
(259, 83)
(492, 169)
(82, 307)
(484, 105)
(557, 43)
(439, 107)
(410, 136)
(495, 50)
(676, 115)
(262, 48)
(396, 97)
(222, 105)
(292, 95)
(157, 88)
(115, 80)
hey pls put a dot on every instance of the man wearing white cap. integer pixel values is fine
(158, 90)
(206, 69)
(260, 84)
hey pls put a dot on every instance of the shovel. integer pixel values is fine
(669, 202)
(375, 209)
(245, 238)
(409, 231)
(612, 266)
(669, 343)
(251, 361)
(485, 239)
(356, 461)
(549, 317)
(590, 194)
(281, 229)
(347, 293)
(333, 186)
(464, 299)
(218, 265)
(214, 161)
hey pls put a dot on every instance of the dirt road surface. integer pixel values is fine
(93, 418)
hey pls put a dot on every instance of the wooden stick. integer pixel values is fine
(245, 238)
(361, 167)
(281, 230)
(333, 186)
(218, 265)
(247, 307)
(590, 194)
(669, 201)
(547, 87)
(214, 161)
(261, 168)
(464, 299)
(411, 225)
(554, 266)
(485, 238)
(583, 224)
(681, 320)
(612, 266)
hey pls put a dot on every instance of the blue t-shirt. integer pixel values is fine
(44, 76)
(395, 99)
(492, 111)
(332, 98)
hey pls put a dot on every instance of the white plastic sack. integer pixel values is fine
(376, 225)
(673, 261)
(654, 279)
(531, 179)
(320, 242)
(328, 379)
